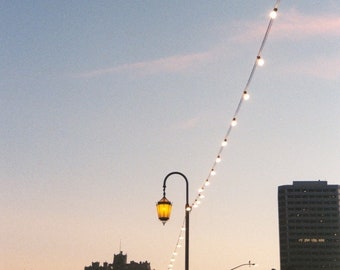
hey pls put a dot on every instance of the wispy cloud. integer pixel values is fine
(293, 24)
(170, 64)
(189, 123)
(305, 26)
(321, 67)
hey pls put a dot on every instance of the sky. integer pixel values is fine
(100, 100)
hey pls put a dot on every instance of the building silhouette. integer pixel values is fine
(309, 225)
(119, 263)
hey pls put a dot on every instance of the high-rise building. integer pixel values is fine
(309, 225)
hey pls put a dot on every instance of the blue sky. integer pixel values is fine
(101, 99)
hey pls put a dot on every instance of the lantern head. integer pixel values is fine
(164, 210)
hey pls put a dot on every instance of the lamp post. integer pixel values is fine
(164, 210)
(244, 264)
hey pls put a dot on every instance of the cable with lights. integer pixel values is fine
(259, 61)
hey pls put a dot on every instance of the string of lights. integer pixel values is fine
(259, 61)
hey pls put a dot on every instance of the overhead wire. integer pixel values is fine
(244, 97)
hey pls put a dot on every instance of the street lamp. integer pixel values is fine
(244, 264)
(164, 210)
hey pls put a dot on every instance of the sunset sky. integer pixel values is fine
(100, 100)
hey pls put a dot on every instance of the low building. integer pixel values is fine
(119, 263)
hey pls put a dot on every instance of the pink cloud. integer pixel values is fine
(288, 25)
(324, 68)
(295, 26)
(304, 26)
(189, 123)
(292, 24)
(168, 64)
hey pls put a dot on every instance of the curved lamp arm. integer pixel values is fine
(187, 185)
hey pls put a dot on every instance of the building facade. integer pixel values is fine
(309, 225)
(119, 263)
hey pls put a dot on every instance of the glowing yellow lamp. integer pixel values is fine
(164, 210)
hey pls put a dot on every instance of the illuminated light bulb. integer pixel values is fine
(188, 208)
(181, 238)
(212, 172)
(198, 202)
(273, 13)
(260, 61)
(201, 196)
(246, 95)
(224, 143)
(195, 206)
(175, 253)
(182, 229)
(233, 122)
(218, 159)
(207, 183)
(179, 245)
(172, 260)
(201, 190)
